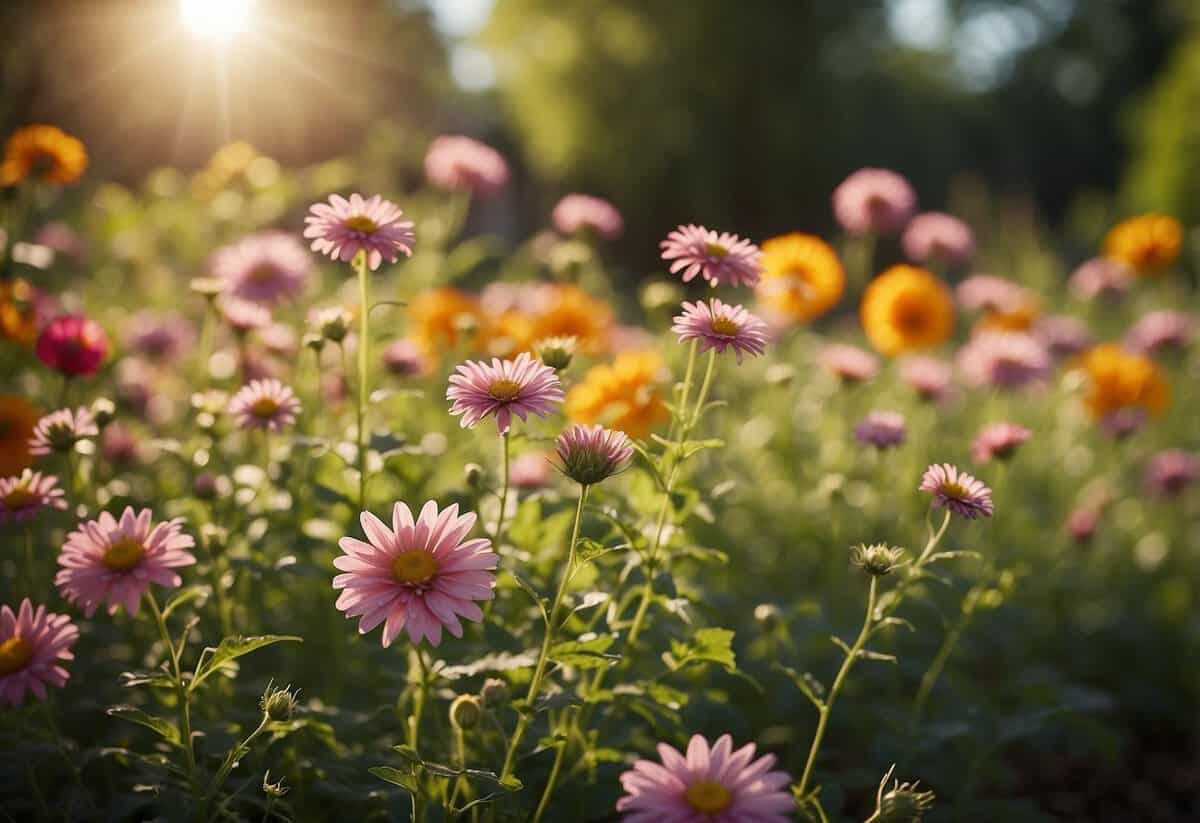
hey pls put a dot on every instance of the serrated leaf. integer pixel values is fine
(707, 646)
(156, 724)
(212, 659)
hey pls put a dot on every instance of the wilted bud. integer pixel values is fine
(215, 538)
(466, 711)
(278, 704)
(903, 803)
(473, 475)
(767, 615)
(103, 411)
(494, 692)
(332, 323)
(274, 789)
(877, 559)
(556, 352)
(313, 341)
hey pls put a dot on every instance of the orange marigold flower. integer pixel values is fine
(45, 152)
(17, 420)
(802, 277)
(907, 309)
(1018, 318)
(625, 395)
(571, 312)
(1147, 243)
(21, 311)
(1118, 380)
(444, 318)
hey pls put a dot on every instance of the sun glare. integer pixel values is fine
(217, 20)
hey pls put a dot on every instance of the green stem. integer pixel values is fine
(181, 691)
(460, 755)
(504, 450)
(935, 669)
(231, 759)
(360, 264)
(552, 780)
(414, 720)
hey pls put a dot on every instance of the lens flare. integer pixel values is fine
(216, 20)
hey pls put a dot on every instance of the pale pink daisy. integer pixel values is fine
(1007, 360)
(590, 454)
(405, 358)
(1170, 472)
(998, 441)
(583, 213)
(530, 470)
(722, 259)
(1101, 277)
(115, 561)
(60, 430)
(936, 237)
(989, 293)
(30, 492)
(419, 576)
(341, 228)
(720, 326)
(505, 387)
(881, 429)
(32, 641)
(457, 163)
(1160, 331)
(1063, 335)
(874, 201)
(244, 316)
(162, 338)
(957, 491)
(268, 268)
(714, 784)
(850, 364)
(279, 339)
(929, 377)
(264, 404)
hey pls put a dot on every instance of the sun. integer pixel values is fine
(216, 20)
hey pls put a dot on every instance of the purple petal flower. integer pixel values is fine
(874, 201)
(505, 387)
(341, 228)
(881, 429)
(935, 237)
(590, 454)
(266, 268)
(1101, 277)
(264, 404)
(849, 364)
(1169, 472)
(1161, 330)
(721, 259)
(717, 325)
(998, 441)
(957, 491)
(577, 213)
(1008, 360)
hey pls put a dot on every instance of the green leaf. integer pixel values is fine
(404, 780)
(497, 662)
(692, 447)
(385, 442)
(707, 646)
(808, 685)
(213, 659)
(647, 462)
(325, 494)
(156, 724)
(589, 550)
(528, 588)
(585, 654)
(157, 678)
(183, 597)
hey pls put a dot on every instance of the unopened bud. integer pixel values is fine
(877, 559)
(494, 692)
(473, 474)
(466, 711)
(557, 352)
(278, 704)
(103, 410)
(903, 803)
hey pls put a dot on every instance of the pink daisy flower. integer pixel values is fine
(929, 377)
(707, 785)
(722, 259)
(115, 561)
(1161, 330)
(717, 325)
(580, 213)
(986, 292)
(419, 576)
(1169, 472)
(32, 641)
(881, 429)
(874, 201)
(998, 441)
(159, 337)
(590, 454)
(457, 163)
(405, 358)
(957, 491)
(1007, 360)
(1101, 277)
(60, 430)
(264, 404)
(72, 345)
(120, 445)
(936, 237)
(1083, 522)
(244, 316)
(23, 496)
(268, 268)
(1063, 335)
(504, 388)
(849, 364)
(530, 471)
(341, 228)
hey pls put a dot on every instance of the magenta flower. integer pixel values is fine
(1063, 335)
(457, 163)
(73, 345)
(717, 325)
(590, 454)
(929, 377)
(849, 364)
(583, 213)
(504, 388)
(161, 338)
(957, 491)
(1083, 522)
(722, 259)
(268, 268)
(341, 228)
(418, 576)
(1007, 360)
(881, 429)
(707, 785)
(115, 561)
(405, 358)
(1169, 472)
(530, 470)
(264, 404)
(936, 237)
(1160, 331)
(1101, 277)
(874, 201)
(32, 641)
(998, 441)
(60, 430)
(986, 292)
(23, 496)
(243, 316)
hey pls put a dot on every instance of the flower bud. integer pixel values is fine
(275, 790)
(205, 486)
(278, 704)
(494, 692)
(903, 803)
(215, 538)
(313, 341)
(466, 711)
(767, 615)
(473, 475)
(103, 411)
(332, 323)
(556, 352)
(207, 287)
(590, 454)
(877, 559)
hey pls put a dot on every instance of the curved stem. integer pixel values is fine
(935, 669)
(364, 312)
(181, 691)
(231, 759)
(552, 780)
(504, 450)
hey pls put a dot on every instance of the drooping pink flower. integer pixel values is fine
(850, 364)
(268, 268)
(590, 454)
(162, 338)
(22, 497)
(341, 228)
(73, 345)
(405, 358)
(1101, 277)
(32, 642)
(1063, 335)
(60, 430)
(530, 470)
(714, 784)
(939, 238)
(1169, 472)
(418, 577)
(505, 387)
(114, 561)
(722, 259)
(881, 429)
(929, 377)
(581, 213)
(244, 316)
(720, 326)
(1161, 331)
(1007, 360)
(264, 404)
(989, 293)
(458, 163)
(957, 491)
(874, 201)
(998, 441)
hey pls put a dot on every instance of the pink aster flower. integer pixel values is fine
(243, 316)
(1101, 277)
(457, 163)
(530, 470)
(874, 201)
(849, 364)
(1123, 422)
(1083, 522)
(120, 445)
(936, 237)
(32, 641)
(998, 441)
(988, 293)
(341, 228)
(1007, 360)
(717, 325)
(264, 404)
(590, 454)
(1169, 472)
(60, 430)
(405, 358)
(159, 337)
(929, 377)
(115, 561)
(881, 429)
(957, 491)
(504, 388)
(1063, 335)
(707, 785)
(582, 213)
(268, 268)
(73, 345)
(417, 576)
(1161, 330)
(30, 492)
(722, 259)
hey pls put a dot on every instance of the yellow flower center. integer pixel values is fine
(359, 223)
(15, 654)
(123, 555)
(505, 390)
(414, 568)
(264, 407)
(954, 490)
(708, 796)
(723, 325)
(715, 250)
(19, 498)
